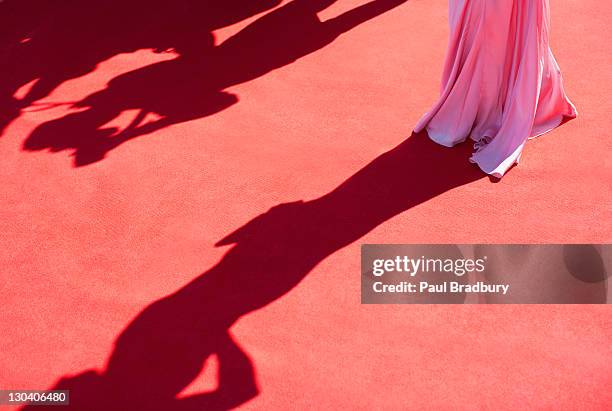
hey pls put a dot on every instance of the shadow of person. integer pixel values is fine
(44, 44)
(192, 85)
(166, 346)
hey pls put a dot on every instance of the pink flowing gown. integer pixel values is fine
(501, 83)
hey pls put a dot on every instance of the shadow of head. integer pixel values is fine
(585, 263)
(192, 85)
(118, 388)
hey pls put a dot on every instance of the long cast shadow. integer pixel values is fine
(46, 43)
(166, 346)
(193, 85)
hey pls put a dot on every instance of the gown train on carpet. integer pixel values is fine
(501, 83)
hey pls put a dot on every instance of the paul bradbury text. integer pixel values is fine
(445, 287)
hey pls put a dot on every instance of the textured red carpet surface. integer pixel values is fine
(115, 202)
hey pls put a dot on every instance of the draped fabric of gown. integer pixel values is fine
(501, 83)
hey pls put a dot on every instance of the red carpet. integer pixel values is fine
(97, 224)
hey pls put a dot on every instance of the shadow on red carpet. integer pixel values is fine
(165, 347)
(188, 87)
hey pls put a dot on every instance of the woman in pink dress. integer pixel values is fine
(501, 84)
